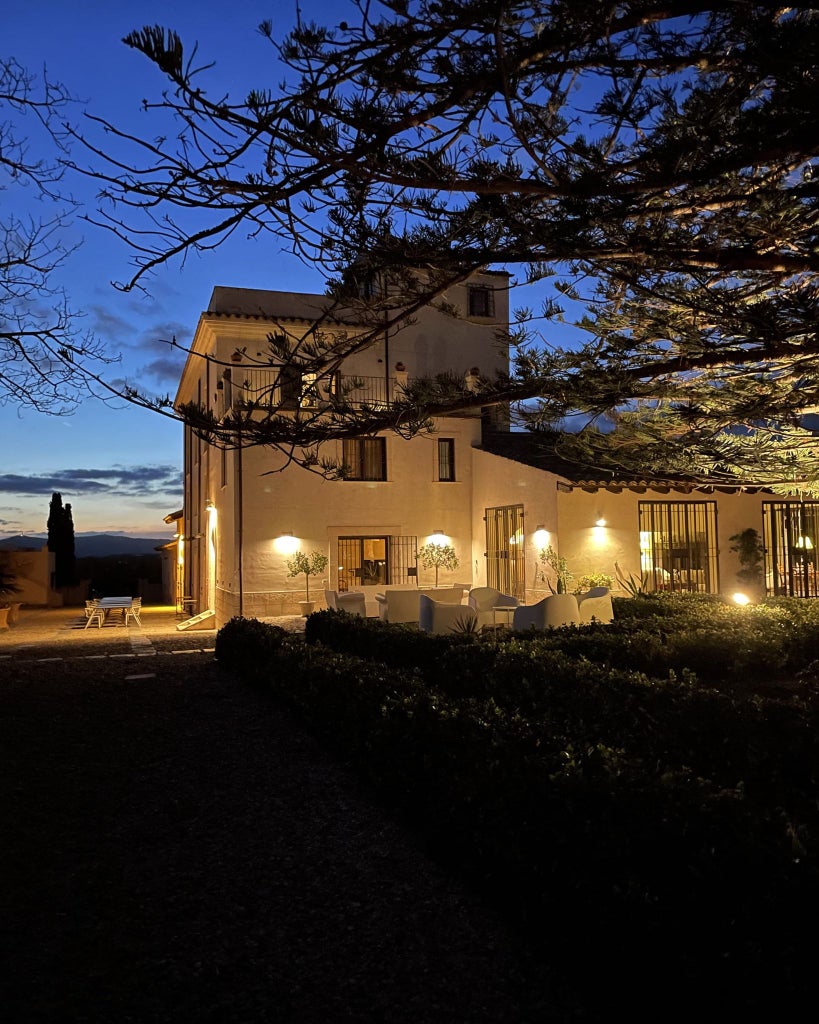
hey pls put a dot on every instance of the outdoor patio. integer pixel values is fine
(56, 633)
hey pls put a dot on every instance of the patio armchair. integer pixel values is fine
(438, 618)
(557, 610)
(483, 599)
(398, 605)
(350, 601)
(596, 604)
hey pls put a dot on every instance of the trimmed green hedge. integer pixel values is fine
(617, 820)
(726, 647)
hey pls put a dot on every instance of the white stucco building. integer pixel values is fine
(489, 491)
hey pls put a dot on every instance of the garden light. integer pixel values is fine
(741, 599)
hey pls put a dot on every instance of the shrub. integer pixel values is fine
(677, 819)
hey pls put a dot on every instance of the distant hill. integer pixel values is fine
(93, 545)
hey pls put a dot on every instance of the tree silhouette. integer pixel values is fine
(61, 541)
(46, 359)
(653, 167)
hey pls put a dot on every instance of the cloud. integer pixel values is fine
(112, 328)
(126, 481)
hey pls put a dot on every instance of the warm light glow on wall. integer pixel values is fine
(541, 537)
(286, 544)
(646, 560)
(438, 537)
(600, 521)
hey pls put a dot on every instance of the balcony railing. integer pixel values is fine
(249, 388)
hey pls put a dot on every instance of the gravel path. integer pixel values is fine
(177, 849)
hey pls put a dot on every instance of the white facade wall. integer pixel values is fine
(590, 548)
(412, 502)
(237, 506)
(498, 482)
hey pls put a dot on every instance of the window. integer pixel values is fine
(367, 561)
(446, 458)
(481, 301)
(791, 548)
(365, 458)
(678, 545)
(362, 561)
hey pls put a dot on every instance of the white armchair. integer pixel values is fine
(398, 605)
(557, 610)
(438, 618)
(596, 604)
(351, 601)
(483, 599)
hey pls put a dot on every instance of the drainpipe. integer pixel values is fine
(240, 530)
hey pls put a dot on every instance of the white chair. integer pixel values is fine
(439, 618)
(596, 604)
(134, 611)
(398, 605)
(351, 601)
(93, 613)
(483, 599)
(557, 610)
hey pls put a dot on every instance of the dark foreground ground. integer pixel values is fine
(178, 850)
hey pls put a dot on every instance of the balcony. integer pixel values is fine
(249, 388)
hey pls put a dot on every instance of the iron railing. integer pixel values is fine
(270, 390)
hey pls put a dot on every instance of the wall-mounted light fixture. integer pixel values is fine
(286, 543)
(600, 521)
(541, 536)
(438, 537)
(210, 508)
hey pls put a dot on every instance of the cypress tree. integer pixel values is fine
(61, 541)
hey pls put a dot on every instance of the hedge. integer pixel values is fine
(574, 797)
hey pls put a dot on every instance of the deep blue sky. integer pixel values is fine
(121, 468)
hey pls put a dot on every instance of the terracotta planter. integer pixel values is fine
(4, 618)
(307, 607)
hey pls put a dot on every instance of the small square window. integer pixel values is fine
(481, 301)
(365, 458)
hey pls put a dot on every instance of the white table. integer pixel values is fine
(109, 604)
(506, 609)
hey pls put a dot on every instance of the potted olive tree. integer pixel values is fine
(313, 564)
(560, 568)
(438, 556)
(564, 602)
